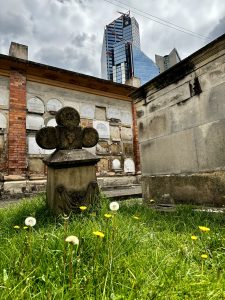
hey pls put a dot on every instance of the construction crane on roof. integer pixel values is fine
(124, 14)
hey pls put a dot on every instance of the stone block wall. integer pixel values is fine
(111, 117)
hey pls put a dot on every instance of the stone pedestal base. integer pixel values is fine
(71, 180)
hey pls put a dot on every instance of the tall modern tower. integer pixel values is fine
(122, 57)
(167, 61)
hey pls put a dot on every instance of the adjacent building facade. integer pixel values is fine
(30, 96)
(181, 127)
(167, 61)
(122, 57)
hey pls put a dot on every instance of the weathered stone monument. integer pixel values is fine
(71, 180)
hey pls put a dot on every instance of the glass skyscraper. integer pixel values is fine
(122, 57)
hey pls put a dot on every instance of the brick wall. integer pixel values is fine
(17, 124)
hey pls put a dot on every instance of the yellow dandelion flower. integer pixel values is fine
(25, 227)
(194, 237)
(16, 227)
(99, 233)
(204, 229)
(107, 216)
(204, 256)
(83, 208)
(136, 218)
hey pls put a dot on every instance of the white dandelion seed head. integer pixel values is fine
(114, 206)
(72, 239)
(30, 221)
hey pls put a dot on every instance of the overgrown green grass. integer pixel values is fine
(151, 256)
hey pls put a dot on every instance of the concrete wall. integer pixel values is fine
(112, 116)
(181, 129)
(4, 109)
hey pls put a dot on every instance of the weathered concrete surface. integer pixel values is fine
(207, 188)
(181, 125)
(74, 181)
(18, 50)
(123, 191)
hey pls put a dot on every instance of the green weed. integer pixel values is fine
(132, 253)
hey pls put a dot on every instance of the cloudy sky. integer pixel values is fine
(69, 33)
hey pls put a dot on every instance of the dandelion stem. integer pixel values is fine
(65, 226)
(71, 267)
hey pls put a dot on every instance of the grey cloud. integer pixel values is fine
(80, 39)
(13, 24)
(68, 33)
(218, 30)
(63, 1)
(83, 3)
(68, 58)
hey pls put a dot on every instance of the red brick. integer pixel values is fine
(17, 121)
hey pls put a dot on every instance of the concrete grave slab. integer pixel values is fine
(53, 105)
(102, 148)
(113, 113)
(129, 166)
(4, 95)
(126, 134)
(128, 149)
(86, 123)
(36, 166)
(35, 105)
(115, 149)
(115, 133)
(102, 128)
(51, 122)
(87, 111)
(33, 147)
(3, 121)
(103, 166)
(34, 122)
(116, 165)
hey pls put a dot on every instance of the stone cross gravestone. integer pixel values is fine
(71, 180)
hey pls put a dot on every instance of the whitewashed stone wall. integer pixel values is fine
(111, 117)
(4, 107)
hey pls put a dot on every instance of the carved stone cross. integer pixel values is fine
(67, 134)
(71, 178)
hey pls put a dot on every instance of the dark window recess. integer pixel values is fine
(195, 87)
